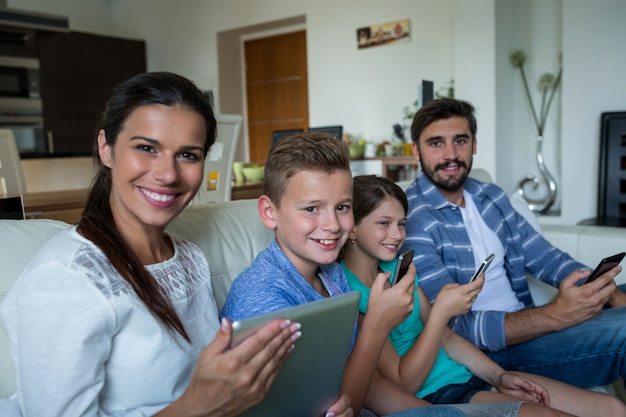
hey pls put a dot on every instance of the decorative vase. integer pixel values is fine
(530, 181)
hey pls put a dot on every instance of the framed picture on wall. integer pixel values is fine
(383, 34)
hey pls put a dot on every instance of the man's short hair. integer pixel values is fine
(440, 109)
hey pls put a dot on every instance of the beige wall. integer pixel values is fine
(366, 90)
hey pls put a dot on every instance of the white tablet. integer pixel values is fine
(310, 379)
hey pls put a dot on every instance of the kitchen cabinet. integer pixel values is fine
(78, 72)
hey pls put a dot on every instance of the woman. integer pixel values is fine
(115, 316)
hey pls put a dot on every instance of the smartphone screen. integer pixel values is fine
(604, 265)
(483, 267)
(402, 266)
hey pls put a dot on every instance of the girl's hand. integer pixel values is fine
(227, 382)
(455, 299)
(391, 306)
(520, 387)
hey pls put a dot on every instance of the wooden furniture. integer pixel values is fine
(396, 168)
(391, 164)
(64, 205)
(246, 190)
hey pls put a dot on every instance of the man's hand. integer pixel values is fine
(575, 304)
(618, 298)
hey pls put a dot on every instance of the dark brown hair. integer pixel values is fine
(369, 191)
(441, 109)
(300, 152)
(97, 223)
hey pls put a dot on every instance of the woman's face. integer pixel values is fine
(156, 164)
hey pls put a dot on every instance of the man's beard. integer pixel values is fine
(449, 183)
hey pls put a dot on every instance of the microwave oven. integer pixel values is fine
(19, 77)
(24, 117)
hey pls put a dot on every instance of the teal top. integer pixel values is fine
(445, 371)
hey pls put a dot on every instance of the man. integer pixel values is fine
(455, 222)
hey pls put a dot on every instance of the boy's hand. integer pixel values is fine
(455, 299)
(391, 306)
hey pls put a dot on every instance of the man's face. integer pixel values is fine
(445, 150)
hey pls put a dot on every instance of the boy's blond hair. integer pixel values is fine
(299, 152)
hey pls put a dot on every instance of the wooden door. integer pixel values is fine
(276, 88)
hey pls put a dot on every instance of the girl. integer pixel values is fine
(424, 355)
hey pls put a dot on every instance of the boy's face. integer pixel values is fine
(314, 218)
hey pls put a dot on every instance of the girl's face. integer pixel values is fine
(156, 164)
(381, 233)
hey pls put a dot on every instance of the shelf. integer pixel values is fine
(393, 167)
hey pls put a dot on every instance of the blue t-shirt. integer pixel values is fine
(445, 371)
(273, 283)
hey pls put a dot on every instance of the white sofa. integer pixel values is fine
(231, 234)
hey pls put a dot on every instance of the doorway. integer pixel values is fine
(230, 60)
(276, 86)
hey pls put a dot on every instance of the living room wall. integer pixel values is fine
(366, 90)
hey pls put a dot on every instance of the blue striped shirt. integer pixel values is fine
(443, 252)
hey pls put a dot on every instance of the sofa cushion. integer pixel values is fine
(19, 241)
(230, 234)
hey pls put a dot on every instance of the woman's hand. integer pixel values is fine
(341, 408)
(520, 387)
(455, 299)
(226, 382)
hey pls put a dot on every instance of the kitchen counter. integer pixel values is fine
(63, 205)
(67, 205)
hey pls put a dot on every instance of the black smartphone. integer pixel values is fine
(483, 267)
(404, 260)
(605, 265)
